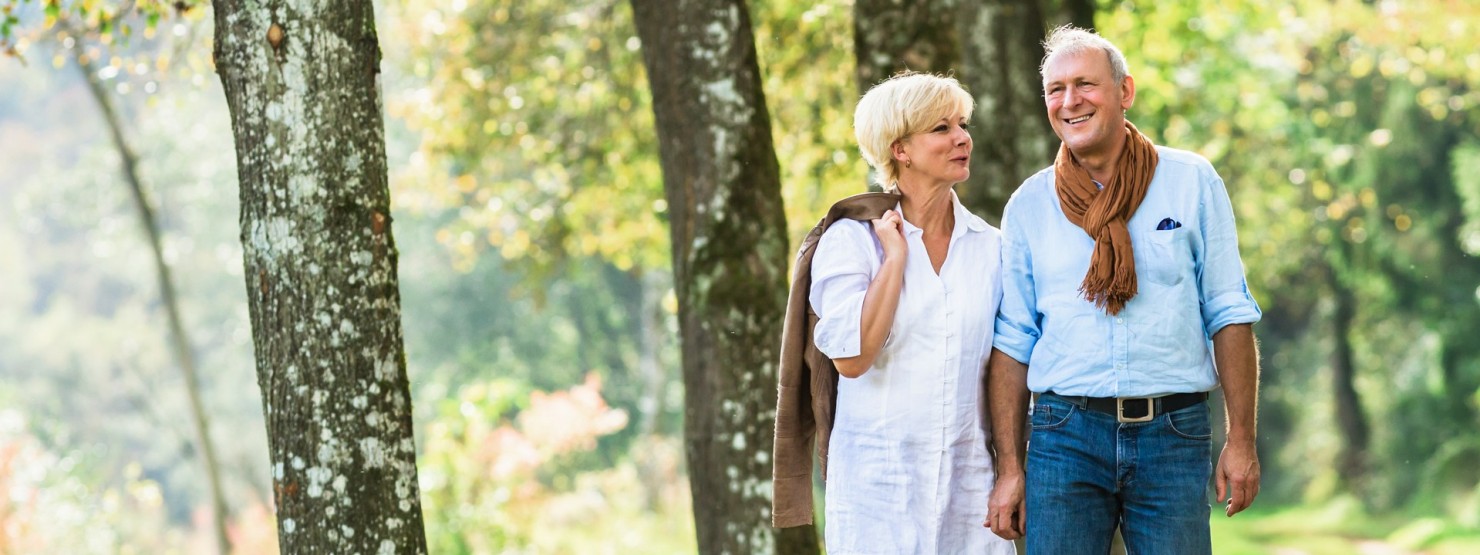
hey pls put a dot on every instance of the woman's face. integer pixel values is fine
(940, 154)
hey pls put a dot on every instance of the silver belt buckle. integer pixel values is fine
(1120, 410)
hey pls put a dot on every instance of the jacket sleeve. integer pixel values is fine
(796, 428)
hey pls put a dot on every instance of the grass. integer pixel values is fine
(1338, 527)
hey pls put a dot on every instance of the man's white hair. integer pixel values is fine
(1071, 40)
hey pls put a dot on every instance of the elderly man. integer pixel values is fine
(1124, 304)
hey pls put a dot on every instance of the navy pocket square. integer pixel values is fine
(1168, 223)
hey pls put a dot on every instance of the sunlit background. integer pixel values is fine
(535, 279)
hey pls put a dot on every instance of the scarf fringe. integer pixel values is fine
(1109, 286)
(1110, 282)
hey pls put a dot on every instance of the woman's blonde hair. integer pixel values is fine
(900, 106)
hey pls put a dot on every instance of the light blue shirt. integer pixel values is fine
(1190, 284)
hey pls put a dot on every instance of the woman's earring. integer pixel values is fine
(908, 162)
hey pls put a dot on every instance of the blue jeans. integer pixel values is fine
(1088, 474)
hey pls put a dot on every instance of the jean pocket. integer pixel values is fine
(1048, 417)
(1191, 423)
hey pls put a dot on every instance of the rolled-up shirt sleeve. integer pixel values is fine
(1017, 328)
(1222, 287)
(841, 272)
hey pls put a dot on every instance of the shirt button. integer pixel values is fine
(1119, 320)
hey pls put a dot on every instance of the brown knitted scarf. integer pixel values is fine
(1103, 213)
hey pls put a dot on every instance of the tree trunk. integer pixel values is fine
(1079, 13)
(1349, 416)
(320, 259)
(1004, 45)
(653, 376)
(649, 345)
(730, 251)
(179, 339)
(995, 47)
(890, 36)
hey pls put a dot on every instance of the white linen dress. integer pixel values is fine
(908, 469)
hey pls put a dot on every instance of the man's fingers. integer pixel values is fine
(1244, 499)
(1022, 519)
(1004, 525)
(1241, 494)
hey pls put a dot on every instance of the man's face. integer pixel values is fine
(1085, 105)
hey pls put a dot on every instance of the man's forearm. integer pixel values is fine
(1007, 398)
(1237, 356)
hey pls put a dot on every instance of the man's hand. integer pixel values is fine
(1237, 475)
(1237, 359)
(1006, 508)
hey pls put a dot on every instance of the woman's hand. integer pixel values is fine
(882, 298)
(890, 230)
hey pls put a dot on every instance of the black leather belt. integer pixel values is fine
(1135, 409)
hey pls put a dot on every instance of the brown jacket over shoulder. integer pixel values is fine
(809, 381)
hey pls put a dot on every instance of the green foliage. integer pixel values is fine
(107, 22)
(1338, 527)
(505, 469)
(86, 357)
(536, 161)
(806, 56)
(463, 326)
(538, 116)
(536, 121)
(56, 504)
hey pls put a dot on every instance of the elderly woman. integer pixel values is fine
(906, 305)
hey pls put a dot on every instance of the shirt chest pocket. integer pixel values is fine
(1165, 257)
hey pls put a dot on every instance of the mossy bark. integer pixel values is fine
(301, 84)
(730, 252)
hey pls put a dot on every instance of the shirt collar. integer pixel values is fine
(973, 223)
(963, 215)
